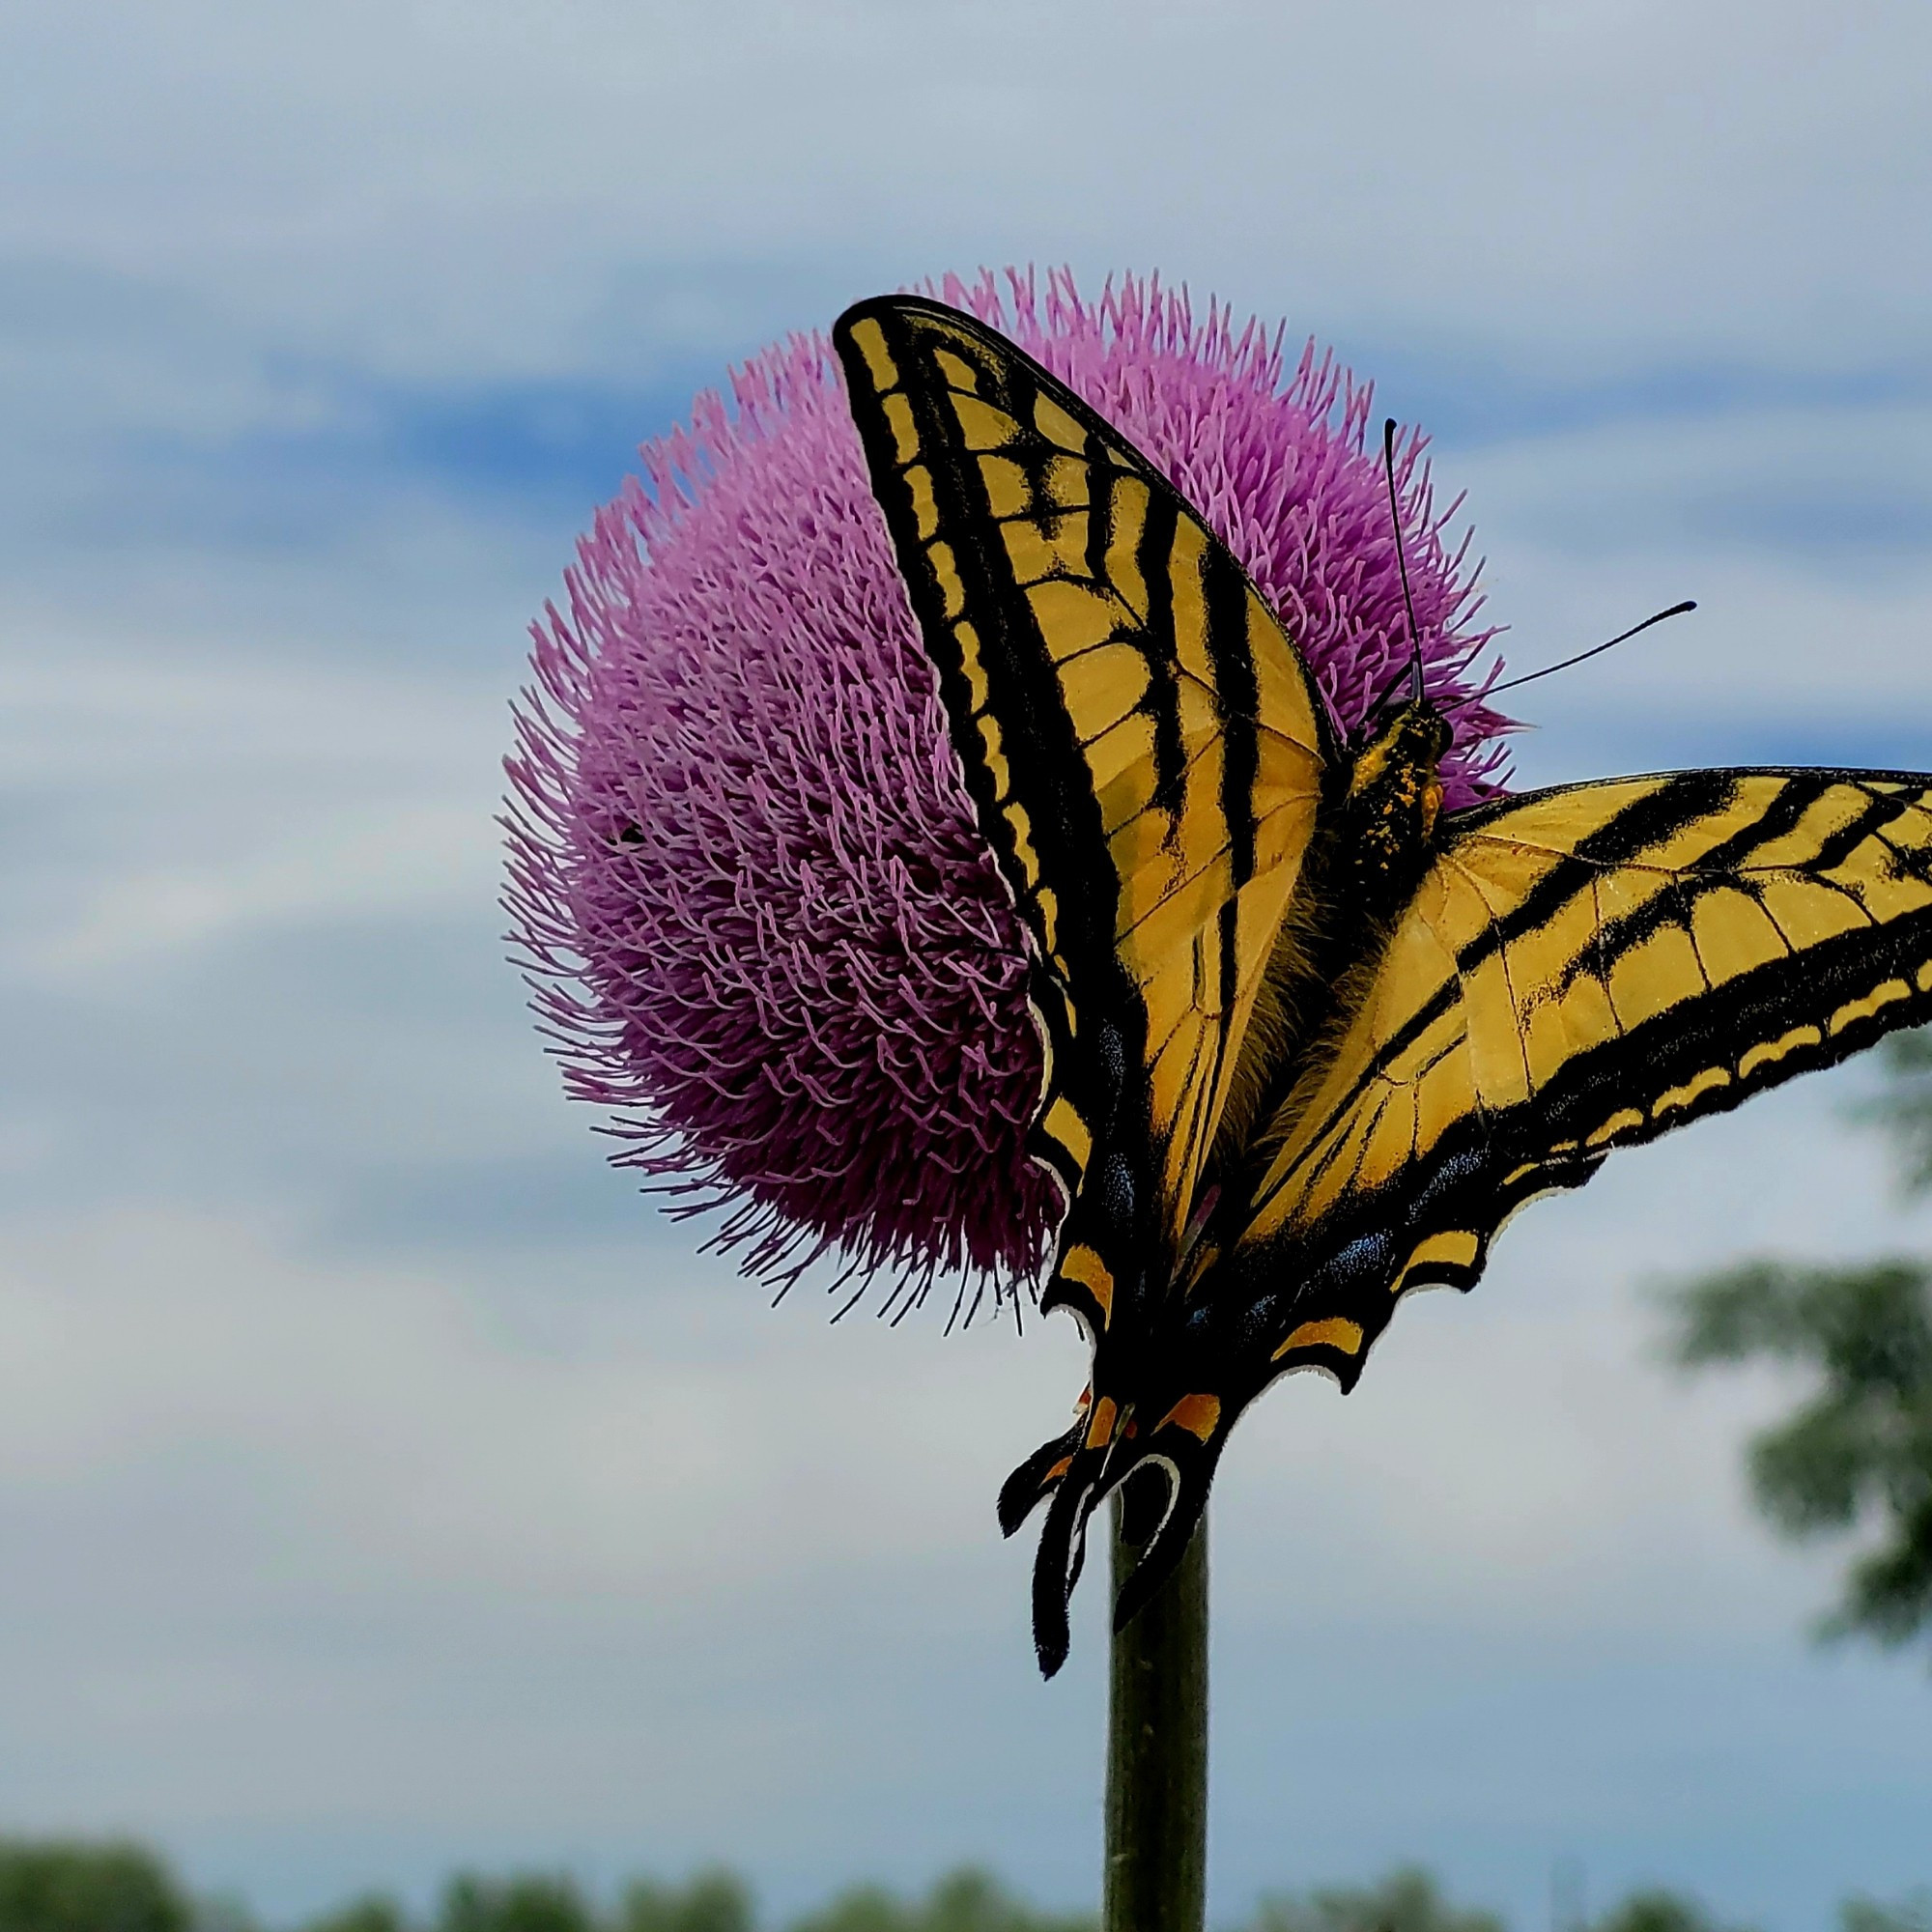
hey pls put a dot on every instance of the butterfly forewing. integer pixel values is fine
(1581, 969)
(1143, 746)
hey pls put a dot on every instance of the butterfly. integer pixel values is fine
(1311, 1039)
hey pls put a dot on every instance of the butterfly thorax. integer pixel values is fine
(1389, 814)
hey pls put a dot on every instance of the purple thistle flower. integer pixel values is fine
(762, 925)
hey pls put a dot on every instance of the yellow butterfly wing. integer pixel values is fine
(1143, 746)
(1580, 970)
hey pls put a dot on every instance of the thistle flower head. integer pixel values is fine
(762, 925)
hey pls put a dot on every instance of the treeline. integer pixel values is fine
(50, 1885)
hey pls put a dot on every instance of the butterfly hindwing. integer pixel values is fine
(1143, 746)
(1581, 969)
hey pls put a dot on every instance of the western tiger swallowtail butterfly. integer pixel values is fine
(1310, 1038)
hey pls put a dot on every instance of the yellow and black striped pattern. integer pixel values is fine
(1585, 969)
(1268, 960)
(1142, 743)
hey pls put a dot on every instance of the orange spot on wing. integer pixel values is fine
(1199, 1414)
(1336, 1332)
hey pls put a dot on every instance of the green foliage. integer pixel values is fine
(1857, 1453)
(58, 1886)
(1405, 1901)
(61, 1885)
(373, 1912)
(714, 1901)
(527, 1903)
(1858, 1447)
(1657, 1911)
(1866, 1915)
(1905, 1108)
(965, 1901)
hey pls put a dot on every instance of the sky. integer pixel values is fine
(382, 1484)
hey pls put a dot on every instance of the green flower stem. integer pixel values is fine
(1156, 1873)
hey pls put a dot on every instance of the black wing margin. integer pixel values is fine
(1143, 747)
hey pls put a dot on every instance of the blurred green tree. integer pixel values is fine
(863, 1908)
(53, 1885)
(964, 1901)
(1658, 1912)
(714, 1901)
(1904, 1108)
(1867, 1915)
(523, 1902)
(1407, 1901)
(373, 1912)
(71, 1885)
(1857, 1453)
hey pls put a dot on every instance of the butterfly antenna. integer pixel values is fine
(1595, 650)
(1402, 564)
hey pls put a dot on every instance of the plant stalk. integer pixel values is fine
(1156, 1869)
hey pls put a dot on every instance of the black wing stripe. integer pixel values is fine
(1349, 1270)
(1098, 656)
(1158, 534)
(1672, 906)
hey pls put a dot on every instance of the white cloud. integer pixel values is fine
(1737, 479)
(668, 1452)
(1580, 181)
(1807, 645)
(223, 796)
